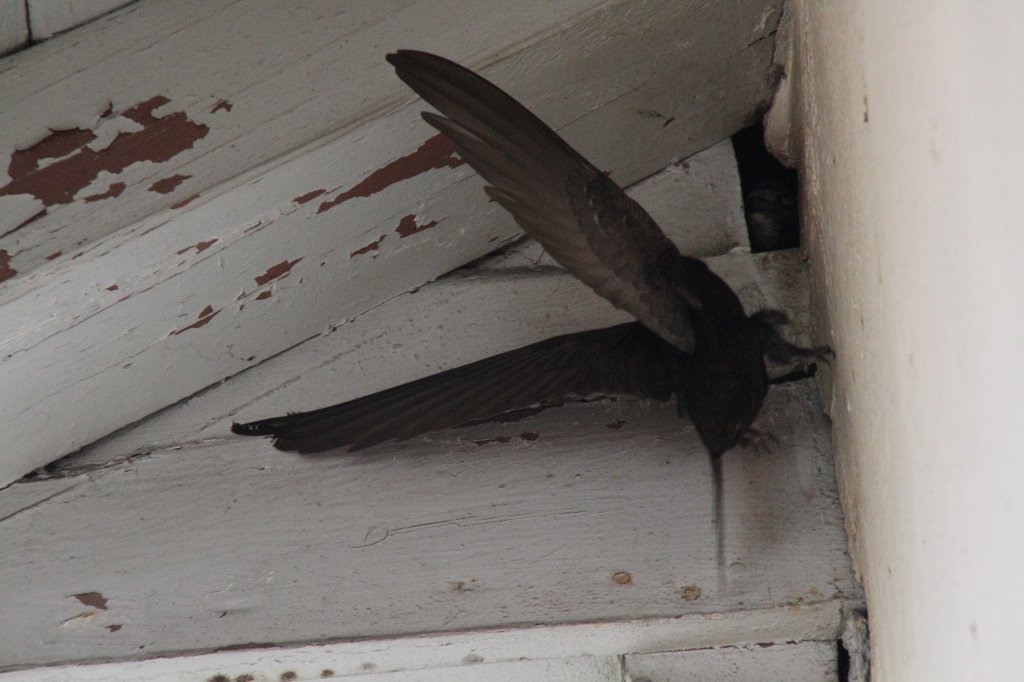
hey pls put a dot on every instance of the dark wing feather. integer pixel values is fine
(625, 359)
(580, 216)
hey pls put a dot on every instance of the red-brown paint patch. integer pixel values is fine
(263, 295)
(372, 246)
(199, 246)
(57, 183)
(408, 226)
(55, 145)
(205, 315)
(6, 271)
(222, 105)
(93, 599)
(114, 190)
(437, 152)
(23, 223)
(113, 287)
(55, 254)
(616, 424)
(276, 271)
(308, 196)
(184, 202)
(168, 184)
(114, 628)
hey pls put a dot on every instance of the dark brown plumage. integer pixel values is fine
(625, 359)
(693, 338)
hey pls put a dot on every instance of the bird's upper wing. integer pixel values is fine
(625, 359)
(580, 216)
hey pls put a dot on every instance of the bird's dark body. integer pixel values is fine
(692, 339)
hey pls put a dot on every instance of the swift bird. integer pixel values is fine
(692, 338)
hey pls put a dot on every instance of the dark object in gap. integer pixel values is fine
(769, 193)
(693, 338)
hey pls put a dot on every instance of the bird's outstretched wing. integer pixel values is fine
(580, 216)
(625, 359)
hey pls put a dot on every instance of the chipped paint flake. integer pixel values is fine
(222, 105)
(93, 599)
(113, 191)
(77, 165)
(308, 196)
(276, 271)
(198, 246)
(437, 152)
(264, 295)
(55, 254)
(372, 246)
(205, 315)
(408, 226)
(168, 184)
(6, 271)
(58, 144)
(185, 201)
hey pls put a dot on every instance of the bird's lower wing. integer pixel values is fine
(580, 216)
(625, 359)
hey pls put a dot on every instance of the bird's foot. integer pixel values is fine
(780, 350)
(759, 441)
(777, 348)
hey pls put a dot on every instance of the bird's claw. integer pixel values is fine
(759, 441)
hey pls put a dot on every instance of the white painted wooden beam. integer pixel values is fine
(184, 223)
(792, 662)
(585, 513)
(542, 521)
(651, 646)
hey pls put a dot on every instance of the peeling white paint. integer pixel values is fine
(81, 340)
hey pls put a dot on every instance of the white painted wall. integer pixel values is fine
(911, 118)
